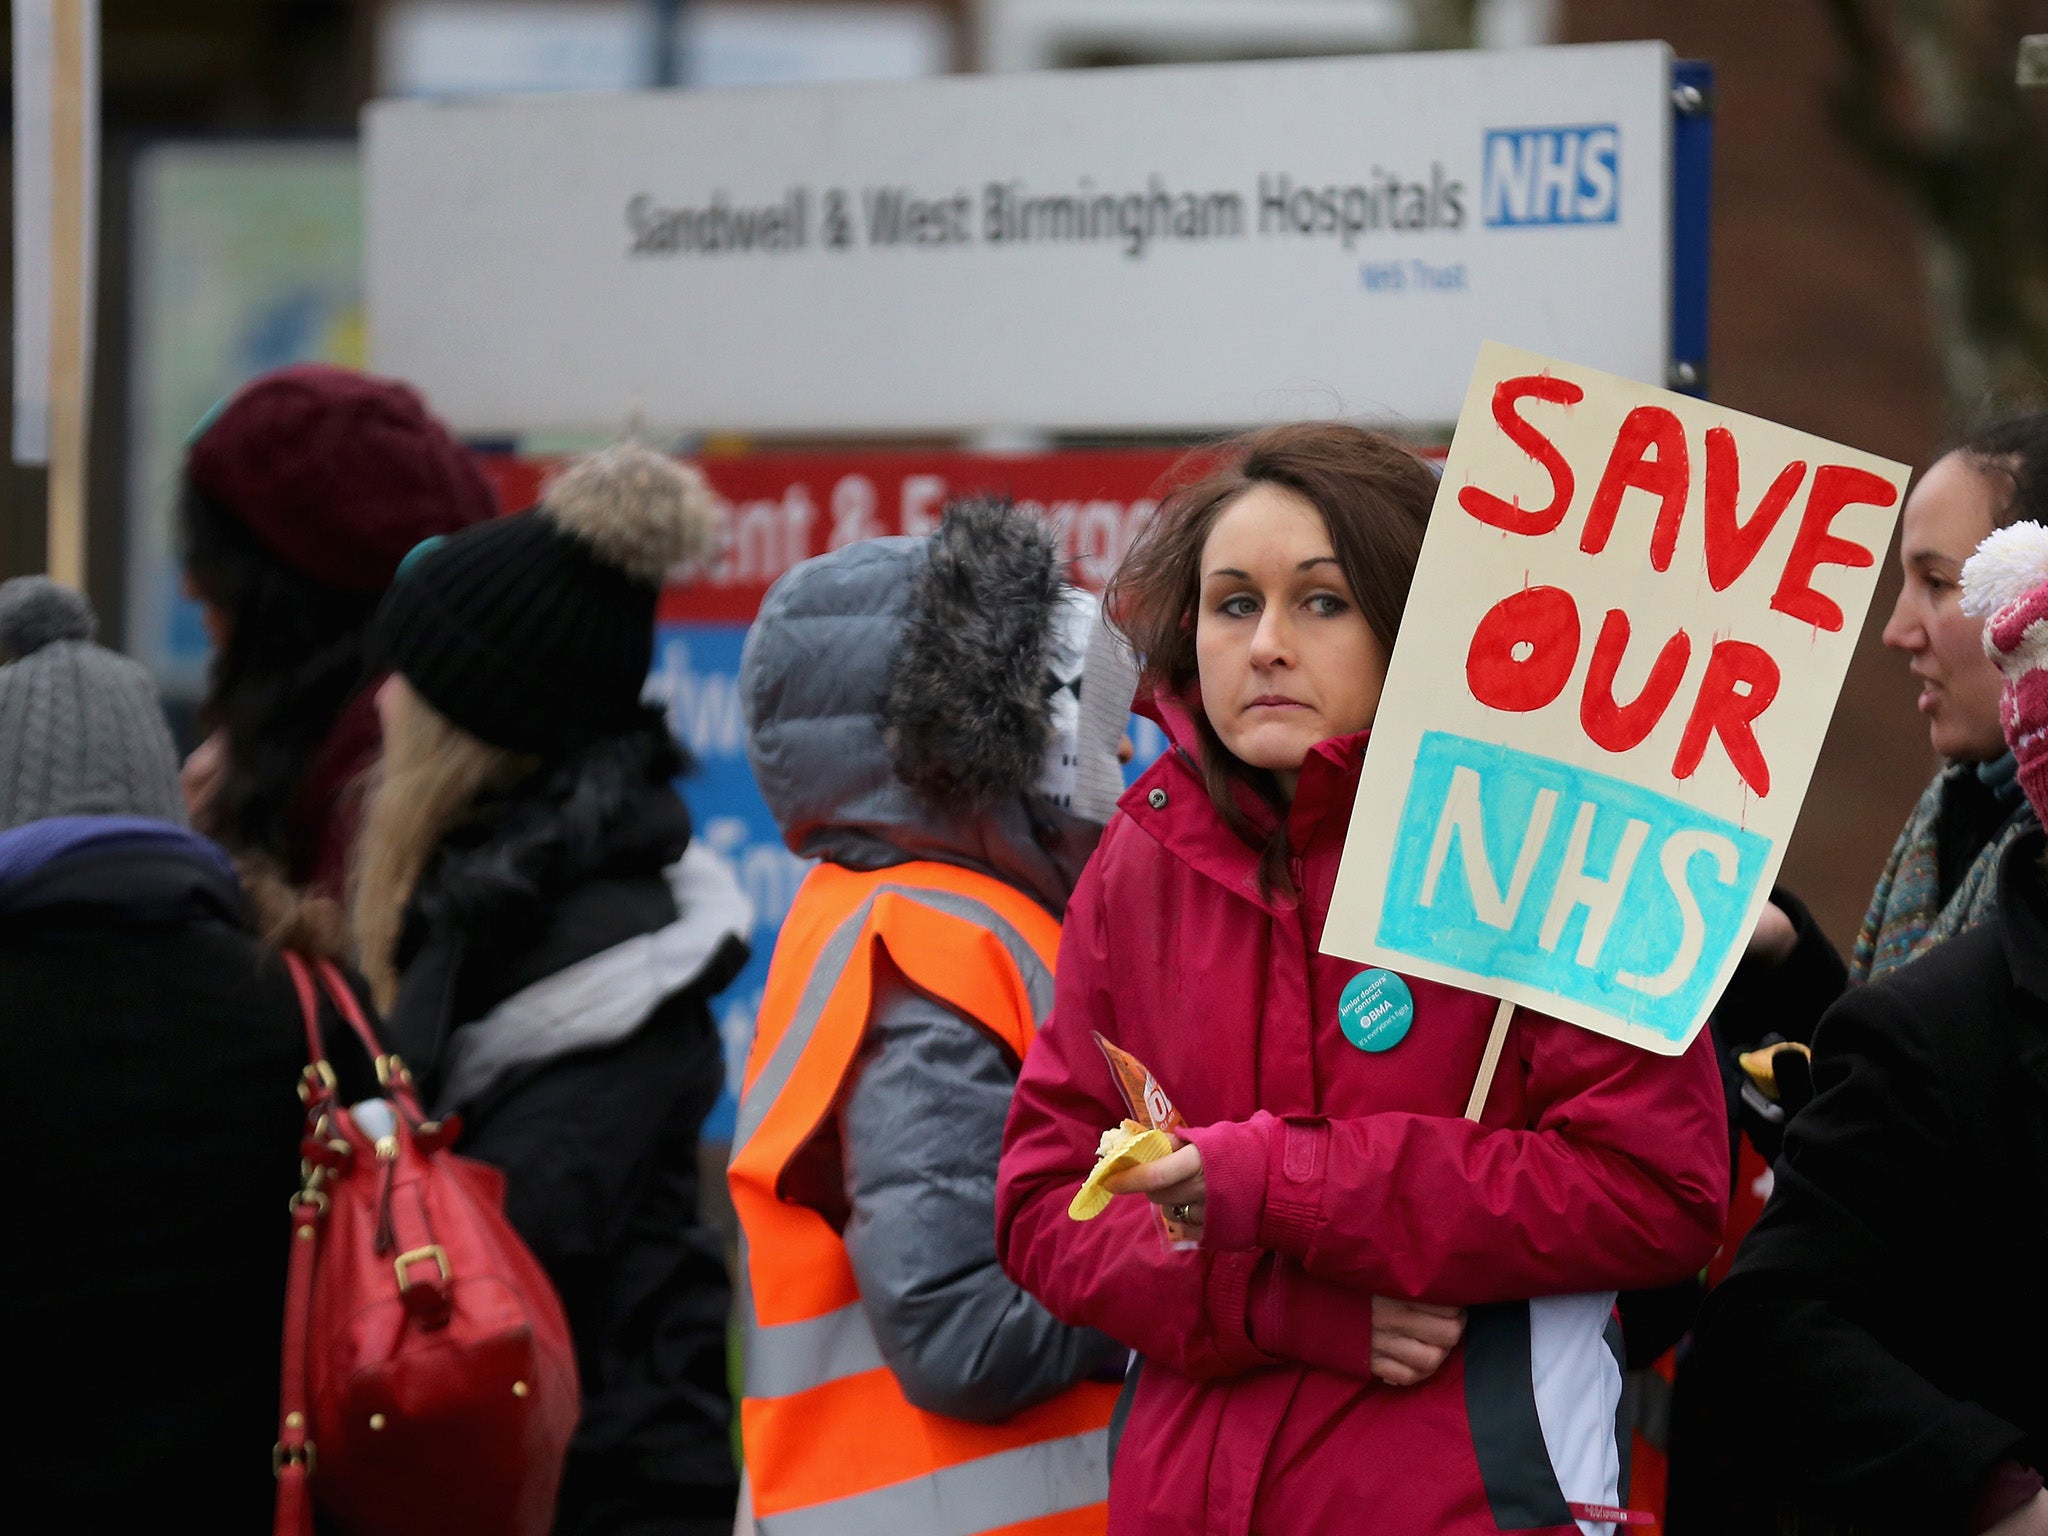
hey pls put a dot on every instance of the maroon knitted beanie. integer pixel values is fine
(336, 473)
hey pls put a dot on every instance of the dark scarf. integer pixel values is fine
(136, 866)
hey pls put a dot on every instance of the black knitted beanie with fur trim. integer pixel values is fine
(534, 632)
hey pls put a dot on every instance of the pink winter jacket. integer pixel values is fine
(1334, 1175)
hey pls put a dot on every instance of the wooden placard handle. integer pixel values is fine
(69, 100)
(1483, 1084)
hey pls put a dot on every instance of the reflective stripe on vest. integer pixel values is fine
(763, 1087)
(832, 1444)
(794, 1357)
(995, 1492)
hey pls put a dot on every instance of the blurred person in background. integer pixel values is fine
(936, 721)
(1396, 1319)
(1940, 880)
(151, 1049)
(546, 937)
(1942, 876)
(1875, 1360)
(298, 499)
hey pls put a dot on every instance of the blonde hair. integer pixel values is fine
(429, 776)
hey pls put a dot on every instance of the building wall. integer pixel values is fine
(1820, 320)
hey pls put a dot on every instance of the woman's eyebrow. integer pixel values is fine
(1307, 565)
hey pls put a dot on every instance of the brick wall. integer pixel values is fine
(1819, 320)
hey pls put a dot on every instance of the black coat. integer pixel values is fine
(1881, 1345)
(149, 1131)
(596, 1135)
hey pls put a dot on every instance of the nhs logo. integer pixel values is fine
(1552, 175)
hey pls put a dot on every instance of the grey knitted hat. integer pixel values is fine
(82, 730)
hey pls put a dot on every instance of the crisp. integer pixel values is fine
(1762, 1065)
(1124, 1147)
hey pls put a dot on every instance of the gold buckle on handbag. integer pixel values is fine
(414, 1256)
(310, 1192)
(314, 1077)
(391, 1070)
(282, 1456)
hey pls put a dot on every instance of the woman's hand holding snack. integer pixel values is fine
(1174, 1182)
(1411, 1339)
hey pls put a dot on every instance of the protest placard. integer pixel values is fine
(1628, 628)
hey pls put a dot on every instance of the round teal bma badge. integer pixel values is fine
(1375, 1010)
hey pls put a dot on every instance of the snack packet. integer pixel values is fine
(1153, 1111)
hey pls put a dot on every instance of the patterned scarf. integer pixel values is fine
(1906, 912)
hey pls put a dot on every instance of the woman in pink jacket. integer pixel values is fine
(1396, 1320)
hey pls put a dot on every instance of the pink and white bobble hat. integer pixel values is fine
(2006, 583)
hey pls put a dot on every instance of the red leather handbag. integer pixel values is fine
(429, 1383)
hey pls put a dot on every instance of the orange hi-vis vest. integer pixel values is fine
(833, 1447)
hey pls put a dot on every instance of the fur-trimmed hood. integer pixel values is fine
(896, 705)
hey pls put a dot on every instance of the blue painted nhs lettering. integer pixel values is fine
(1537, 871)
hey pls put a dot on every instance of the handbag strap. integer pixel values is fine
(293, 1457)
(318, 1081)
(392, 1073)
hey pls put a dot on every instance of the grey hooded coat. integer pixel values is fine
(863, 675)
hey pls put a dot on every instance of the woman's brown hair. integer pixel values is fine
(1374, 495)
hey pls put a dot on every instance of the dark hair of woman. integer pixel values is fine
(287, 917)
(1374, 495)
(2015, 453)
(292, 659)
